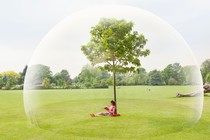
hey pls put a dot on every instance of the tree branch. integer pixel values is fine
(117, 62)
(109, 63)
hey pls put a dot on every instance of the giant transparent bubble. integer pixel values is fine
(146, 111)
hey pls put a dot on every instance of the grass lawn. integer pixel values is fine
(64, 114)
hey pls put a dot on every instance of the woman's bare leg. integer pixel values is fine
(97, 115)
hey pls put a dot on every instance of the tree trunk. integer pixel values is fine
(115, 98)
(206, 89)
(189, 95)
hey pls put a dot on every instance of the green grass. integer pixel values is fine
(64, 114)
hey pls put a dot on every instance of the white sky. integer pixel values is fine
(23, 24)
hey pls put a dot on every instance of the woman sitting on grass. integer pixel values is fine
(110, 110)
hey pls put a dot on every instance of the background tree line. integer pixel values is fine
(91, 77)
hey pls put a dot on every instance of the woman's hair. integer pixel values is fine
(113, 102)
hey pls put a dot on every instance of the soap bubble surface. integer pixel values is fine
(66, 111)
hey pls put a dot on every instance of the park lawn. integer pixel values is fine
(64, 114)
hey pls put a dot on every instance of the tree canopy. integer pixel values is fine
(155, 78)
(37, 73)
(114, 44)
(9, 79)
(173, 74)
(62, 79)
(93, 77)
(205, 70)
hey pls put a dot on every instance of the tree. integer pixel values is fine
(137, 78)
(87, 76)
(91, 77)
(121, 79)
(207, 78)
(37, 73)
(5, 79)
(155, 78)
(128, 79)
(115, 47)
(1, 81)
(190, 74)
(62, 79)
(205, 69)
(46, 83)
(22, 75)
(172, 81)
(140, 78)
(10, 78)
(173, 72)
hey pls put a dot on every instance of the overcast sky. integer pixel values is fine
(23, 23)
